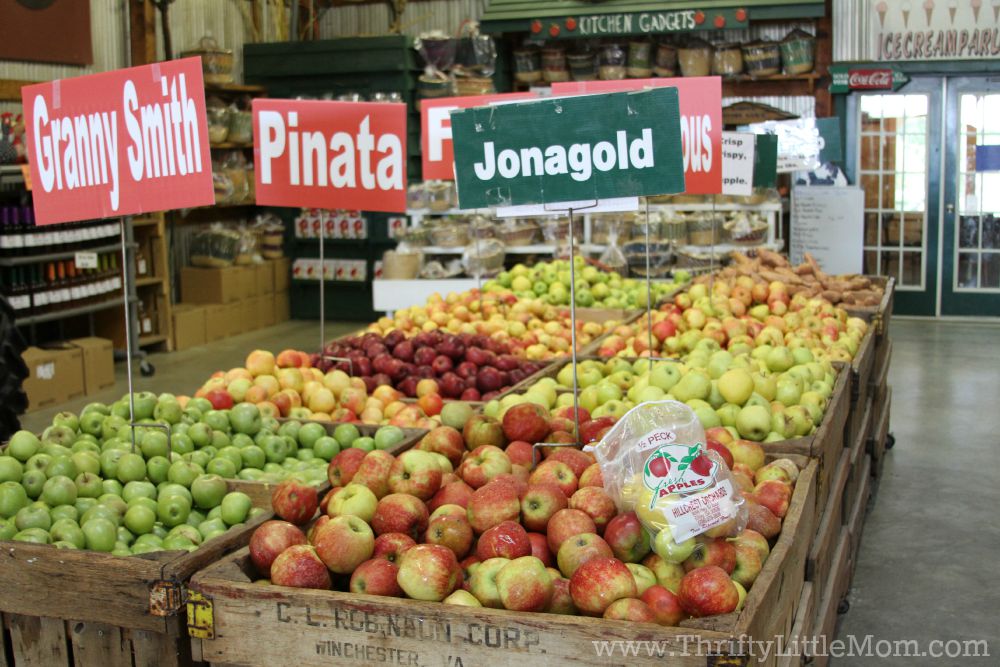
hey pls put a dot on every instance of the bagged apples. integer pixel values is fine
(655, 461)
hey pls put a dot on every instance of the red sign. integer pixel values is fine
(869, 79)
(435, 130)
(119, 143)
(317, 154)
(701, 122)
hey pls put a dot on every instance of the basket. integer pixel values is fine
(704, 230)
(450, 235)
(699, 260)
(762, 58)
(216, 63)
(601, 226)
(401, 265)
(518, 234)
(798, 52)
(556, 230)
(661, 258)
(755, 237)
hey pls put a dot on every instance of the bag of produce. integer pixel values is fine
(655, 462)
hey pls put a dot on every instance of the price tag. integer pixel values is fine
(85, 260)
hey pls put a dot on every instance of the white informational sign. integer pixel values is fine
(828, 222)
(611, 205)
(901, 30)
(737, 163)
(85, 260)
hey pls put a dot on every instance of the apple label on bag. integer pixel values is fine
(696, 514)
(678, 469)
(662, 436)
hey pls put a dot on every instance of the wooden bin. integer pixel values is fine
(819, 562)
(89, 609)
(878, 316)
(831, 594)
(880, 429)
(242, 623)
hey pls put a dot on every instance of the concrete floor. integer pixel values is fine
(926, 564)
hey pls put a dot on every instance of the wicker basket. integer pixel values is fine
(216, 63)
(602, 225)
(450, 235)
(518, 233)
(704, 230)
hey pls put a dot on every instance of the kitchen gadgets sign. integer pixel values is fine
(119, 143)
(565, 149)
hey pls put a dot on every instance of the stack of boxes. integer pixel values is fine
(220, 302)
(66, 371)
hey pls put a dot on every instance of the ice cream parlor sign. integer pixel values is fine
(934, 29)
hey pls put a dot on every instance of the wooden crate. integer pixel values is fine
(802, 628)
(246, 624)
(857, 452)
(833, 592)
(861, 368)
(855, 520)
(880, 370)
(881, 407)
(878, 316)
(819, 563)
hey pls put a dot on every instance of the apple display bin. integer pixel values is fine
(89, 609)
(236, 622)
(411, 435)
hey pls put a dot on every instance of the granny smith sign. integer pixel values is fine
(564, 149)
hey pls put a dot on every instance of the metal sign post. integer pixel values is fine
(324, 216)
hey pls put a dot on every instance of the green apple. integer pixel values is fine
(307, 434)
(100, 534)
(241, 440)
(154, 443)
(148, 539)
(217, 420)
(694, 384)
(188, 531)
(345, 434)
(754, 422)
(715, 398)
(59, 490)
(181, 443)
(388, 437)
(173, 489)
(305, 455)
(220, 439)
(200, 435)
(142, 501)
(364, 443)
(209, 526)
(115, 502)
(736, 386)
(708, 417)
(607, 392)
(59, 435)
(326, 447)
(39, 462)
(168, 411)
(33, 481)
(67, 419)
(13, 498)
(91, 422)
(67, 512)
(56, 450)
(33, 536)
(138, 488)
(35, 515)
(779, 359)
(718, 363)
(728, 413)
(87, 462)
(11, 469)
(86, 443)
(131, 468)
(157, 469)
(757, 399)
(184, 472)
(84, 503)
(195, 518)
(290, 428)
(222, 467)
(109, 462)
(111, 425)
(101, 512)
(669, 550)
(61, 466)
(254, 457)
(124, 536)
(173, 510)
(275, 448)
(232, 454)
(200, 457)
(234, 507)
(178, 543)
(207, 491)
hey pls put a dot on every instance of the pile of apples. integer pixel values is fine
(290, 386)
(75, 490)
(739, 316)
(467, 518)
(466, 366)
(767, 395)
(550, 281)
(533, 329)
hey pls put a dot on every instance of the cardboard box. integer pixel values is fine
(249, 280)
(265, 278)
(209, 286)
(282, 307)
(216, 322)
(248, 316)
(189, 326)
(282, 274)
(98, 363)
(264, 311)
(56, 375)
(234, 318)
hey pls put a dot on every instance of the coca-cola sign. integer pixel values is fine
(870, 79)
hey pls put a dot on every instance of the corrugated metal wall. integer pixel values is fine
(445, 15)
(190, 20)
(851, 30)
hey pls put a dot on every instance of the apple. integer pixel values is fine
(753, 423)
(354, 500)
(452, 493)
(373, 472)
(753, 539)
(539, 502)
(483, 582)
(773, 495)
(268, 541)
(455, 414)
(295, 502)
(508, 539)
(445, 440)
(344, 466)
(482, 465)
(400, 513)
(417, 473)
(343, 543)
(644, 577)
(750, 454)
(717, 552)
(462, 598)
(235, 508)
(708, 591)
(555, 472)
(540, 548)
(524, 585)
(562, 601)
(596, 503)
(390, 546)
(172, 510)
(376, 577)
(664, 604)
(748, 564)
(669, 549)
(453, 532)
(528, 422)
(429, 572)
(626, 536)
(722, 451)
(630, 609)
(493, 504)
(578, 549)
(521, 453)
(482, 430)
(388, 437)
(591, 477)
(761, 520)
(207, 491)
(577, 460)
(598, 583)
(299, 566)
(566, 523)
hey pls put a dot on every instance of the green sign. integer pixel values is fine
(566, 149)
(765, 161)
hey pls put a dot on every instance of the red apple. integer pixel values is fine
(748, 565)
(526, 421)
(343, 543)
(718, 552)
(390, 546)
(400, 513)
(539, 502)
(374, 471)
(708, 591)
(445, 440)
(299, 566)
(579, 549)
(524, 585)
(429, 572)
(493, 504)
(540, 548)
(417, 473)
(722, 451)
(555, 472)
(596, 503)
(566, 523)
(376, 577)
(562, 601)
(481, 430)
(592, 477)
(762, 520)
(269, 540)
(295, 502)
(518, 481)
(627, 538)
(599, 582)
(594, 430)
(344, 465)
(220, 399)
(756, 540)
(773, 495)
(504, 540)
(577, 460)
(482, 465)
(453, 532)
(666, 606)
(453, 493)
(520, 452)
(630, 609)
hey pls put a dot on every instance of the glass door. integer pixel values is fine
(970, 277)
(896, 159)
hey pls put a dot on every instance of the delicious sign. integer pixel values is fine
(330, 154)
(119, 143)
(584, 148)
(701, 122)
(435, 130)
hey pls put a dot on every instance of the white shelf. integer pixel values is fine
(768, 206)
(536, 249)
